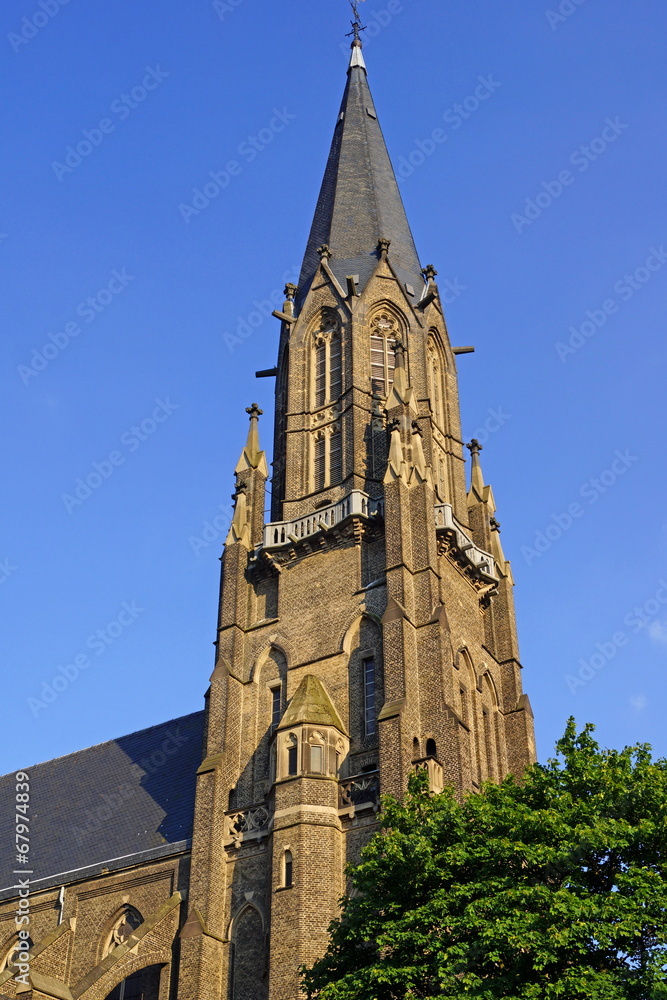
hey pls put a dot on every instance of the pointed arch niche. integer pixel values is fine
(435, 378)
(494, 770)
(141, 985)
(248, 974)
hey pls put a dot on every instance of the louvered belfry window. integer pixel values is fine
(320, 463)
(335, 367)
(327, 457)
(327, 360)
(384, 330)
(335, 458)
(320, 373)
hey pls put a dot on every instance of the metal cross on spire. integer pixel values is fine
(357, 26)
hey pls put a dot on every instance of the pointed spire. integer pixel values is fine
(359, 203)
(421, 472)
(239, 529)
(252, 457)
(396, 465)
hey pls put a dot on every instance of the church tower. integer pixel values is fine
(368, 629)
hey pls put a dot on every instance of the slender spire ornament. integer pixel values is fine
(357, 26)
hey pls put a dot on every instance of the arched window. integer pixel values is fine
(327, 457)
(292, 755)
(124, 926)
(139, 986)
(384, 331)
(288, 870)
(431, 749)
(368, 668)
(327, 361)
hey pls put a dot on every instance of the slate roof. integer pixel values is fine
(359, 202)
(110, 806)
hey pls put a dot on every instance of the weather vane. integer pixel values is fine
(356, 24)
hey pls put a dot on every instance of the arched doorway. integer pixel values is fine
(141, 985)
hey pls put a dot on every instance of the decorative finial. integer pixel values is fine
(324, 252)
(383, 248)
(429, 272)
(474, 447)
(254, 411)
(357, 26)
(290, 291)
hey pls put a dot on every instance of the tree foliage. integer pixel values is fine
(549, 887)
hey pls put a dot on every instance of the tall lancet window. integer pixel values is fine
(384, 331)
(327, 361)
(435, 383)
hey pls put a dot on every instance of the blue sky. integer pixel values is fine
(543, 206)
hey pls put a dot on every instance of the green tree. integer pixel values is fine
(549, 887)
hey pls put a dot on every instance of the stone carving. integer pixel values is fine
(245, 823)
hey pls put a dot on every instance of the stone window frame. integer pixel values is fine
(287, 868)
(317, 739)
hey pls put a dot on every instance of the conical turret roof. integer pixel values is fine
(311, 705)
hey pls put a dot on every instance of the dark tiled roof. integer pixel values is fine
(131, 796)
(359, 201)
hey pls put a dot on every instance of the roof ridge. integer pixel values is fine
(94, 746)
